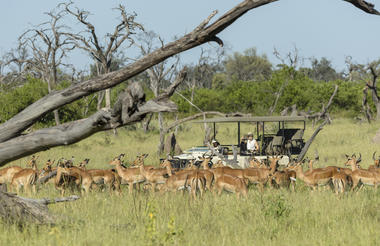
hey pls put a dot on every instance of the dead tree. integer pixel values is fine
(102, 54)
(49, 47)
(158, 75)
(374, 69)
(365, 107)
(21, 211)
(131, 106)
(14, 145)
(323, 115)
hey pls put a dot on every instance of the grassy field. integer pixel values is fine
(275, 217)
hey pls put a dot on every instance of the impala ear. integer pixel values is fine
(145, 155)
(347, 156)
(360, 158)
(373, 156)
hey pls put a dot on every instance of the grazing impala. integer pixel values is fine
(131, 176)
(361, 176)
(26, 177)
(231, 184)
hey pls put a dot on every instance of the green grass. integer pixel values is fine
(275, 217)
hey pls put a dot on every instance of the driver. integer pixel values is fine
(252, 145)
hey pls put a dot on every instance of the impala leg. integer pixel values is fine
(154, 187)
(130, 187)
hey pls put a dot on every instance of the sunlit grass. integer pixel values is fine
(275, 217)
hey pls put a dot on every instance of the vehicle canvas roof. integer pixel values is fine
(254, 119)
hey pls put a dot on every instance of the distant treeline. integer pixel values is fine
(243, 96)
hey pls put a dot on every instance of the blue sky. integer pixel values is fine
(319, 28)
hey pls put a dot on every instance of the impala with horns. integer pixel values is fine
(361, 176)
(376, 164)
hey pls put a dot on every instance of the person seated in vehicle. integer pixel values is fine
(252, 145)
(243, 145)
(216, 147)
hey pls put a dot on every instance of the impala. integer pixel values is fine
(231, 184)
(197, 182)
(153, 176)
(340, 181)
(103, 177)
(315, 178)
(261, 175)
(46, 170)
(361, 176)
(26, 177)
(376, 165)
(131, 176)
(82, 178)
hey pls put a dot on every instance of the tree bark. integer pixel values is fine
(129, 108)
(19, 210)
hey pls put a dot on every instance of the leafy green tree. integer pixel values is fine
(248, 66)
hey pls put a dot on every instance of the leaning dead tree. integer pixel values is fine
(48, 46)
(14, 145)
(374, 69)
(103, 53)
(323, 115)
(158, 75)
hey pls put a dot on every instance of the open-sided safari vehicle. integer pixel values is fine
(276, 135)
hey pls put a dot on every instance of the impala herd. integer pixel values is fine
(195, 178)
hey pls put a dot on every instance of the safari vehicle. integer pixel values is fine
(276, 136)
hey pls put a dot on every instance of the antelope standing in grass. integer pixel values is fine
(82, 179)
(131, 176)
(261, 175)
(197, 182)
(26, 177)
(175, 181)
(231, 184)
(46, 170)
(7, 173)
(315, 178)
(376, 165)
(361, 176)
(103, 177)
(154, 176)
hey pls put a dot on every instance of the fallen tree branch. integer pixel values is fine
(310, 141)
(20, 210)
(129, 108)
(204, 33)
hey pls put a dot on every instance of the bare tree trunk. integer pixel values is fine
(365, 106)
(147, 123)
(100, 100)
(108, 98)
(162, 133)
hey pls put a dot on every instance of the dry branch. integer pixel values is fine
(204, 33)
(15, 209)
(129, 108)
